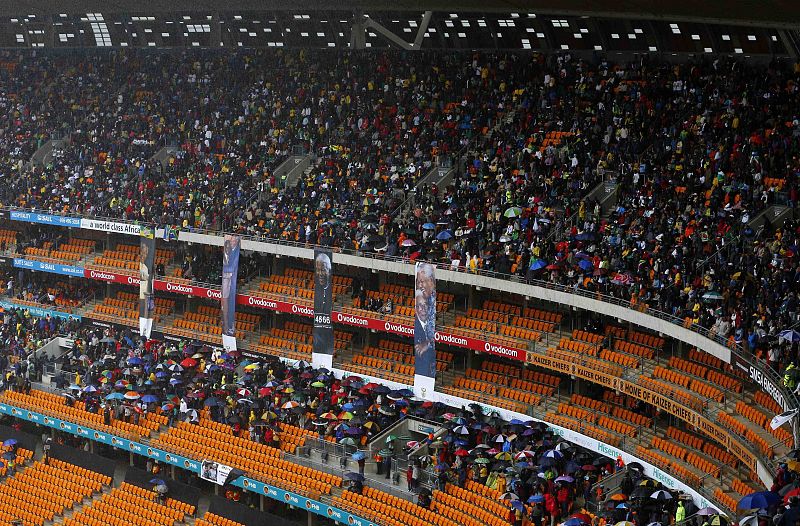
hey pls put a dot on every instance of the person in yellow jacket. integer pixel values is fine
(680, 513)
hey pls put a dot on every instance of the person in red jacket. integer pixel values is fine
(564, 497)
(551, 505)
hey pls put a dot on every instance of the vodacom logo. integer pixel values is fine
(177, 287)
(449, 338)
(352, 320)
(102, 275)
(300, 309)
(215, 294)
(259, 302)
(133, 281)
(499, 349)
(402, 329)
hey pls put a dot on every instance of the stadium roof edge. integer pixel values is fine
(762, 13)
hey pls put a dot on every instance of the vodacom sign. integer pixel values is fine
(106, 276)
(398, 329)
(349, 319)
(261, 302)
(180, 289)
(301, 309)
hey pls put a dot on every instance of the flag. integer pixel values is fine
(778, 420)
(171, 233)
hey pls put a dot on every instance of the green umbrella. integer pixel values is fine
(385, 452)
(318, 384)
(482, 460)
(390, 438)
(514, 211)
(347, 441)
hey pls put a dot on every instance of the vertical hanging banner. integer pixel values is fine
(230, 273)
(424, 329)
(322, 349)
(147, 256)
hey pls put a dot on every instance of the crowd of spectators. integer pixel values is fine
(710, 144)
(540, 479)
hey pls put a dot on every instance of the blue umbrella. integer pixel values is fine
(358, 455)
(429, 226)
(574, 521)
(444, 235)
(407, 392)
(622, 506)
(90, 389)
(536, 498)
(553, 454)
(758, 500)
(461, 430)
(517, 505)
(538, 264)
(175, 381)
(789, 335)
(116, 396)
(161, 374)
(157, 482)
(348, 407)
(10, 442)
(585, 264)
(586, 236)
(135, 361)
(442, 466)
(149, 399)
(74, 387)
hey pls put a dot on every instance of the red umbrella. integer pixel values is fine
(461, 452)
(189, 362)
(795, 492)
(582, 517)
(264, 391)
(371, 385)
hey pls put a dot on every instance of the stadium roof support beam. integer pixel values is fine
(789, 43)
(361, 23)
(423, 28)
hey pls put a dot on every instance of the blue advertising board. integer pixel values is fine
(40, 312)
(45, 219)
(53, 268)
(138, 448)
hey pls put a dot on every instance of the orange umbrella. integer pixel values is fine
(618, 497)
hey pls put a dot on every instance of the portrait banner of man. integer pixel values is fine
(147, 256)
(322, 349)
(424, 328)
(230, 273)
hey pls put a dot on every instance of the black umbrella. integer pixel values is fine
(356, 477)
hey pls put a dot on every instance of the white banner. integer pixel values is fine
(778, 420)
(111, 226)
(214, 472)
